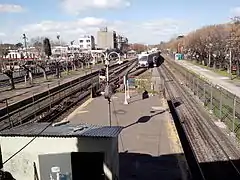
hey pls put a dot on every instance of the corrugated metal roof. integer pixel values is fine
(65, 130)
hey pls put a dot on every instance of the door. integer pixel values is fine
(87, 166)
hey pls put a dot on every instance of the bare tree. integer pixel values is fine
(29, 73)
(207, 45)
(37, 43)
(9, 74)
(42, 64)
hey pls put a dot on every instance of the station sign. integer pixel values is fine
(132, 82)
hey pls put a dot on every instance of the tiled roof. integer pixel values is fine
(65, 130)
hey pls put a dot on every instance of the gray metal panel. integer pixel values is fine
(66, 130)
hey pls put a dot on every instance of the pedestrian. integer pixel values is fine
(145, 95)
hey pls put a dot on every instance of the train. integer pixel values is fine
(149, 59)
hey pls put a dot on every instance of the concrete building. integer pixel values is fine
(65, 150)
(87, 42)
(107, 39)
(122, 43)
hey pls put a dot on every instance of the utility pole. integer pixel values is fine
(25, 43)
(58, 37)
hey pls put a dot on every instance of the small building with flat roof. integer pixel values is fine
(64, 151)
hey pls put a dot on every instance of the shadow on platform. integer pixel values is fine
(166, 167)
(144, 119)
(221, 170)
(144, 166)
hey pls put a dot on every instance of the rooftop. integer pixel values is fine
(65, 130)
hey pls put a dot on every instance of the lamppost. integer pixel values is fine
(108, 89)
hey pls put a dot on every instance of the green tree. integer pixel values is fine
(47, 47)
(19, 45)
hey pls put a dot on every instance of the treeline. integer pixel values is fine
(216, 46)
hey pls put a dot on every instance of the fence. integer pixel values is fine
(223, 104)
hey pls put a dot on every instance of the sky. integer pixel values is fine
(142, 21)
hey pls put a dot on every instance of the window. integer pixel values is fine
(88, 40)
(81, 41)
(143, 58)
(81, 46)
(88, 45)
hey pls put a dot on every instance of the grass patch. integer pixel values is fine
(146, 75)
(143, 82)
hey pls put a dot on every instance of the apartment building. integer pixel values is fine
(87, 42)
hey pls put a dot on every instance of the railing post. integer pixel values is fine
(49, 97)
(125, 90)
(211, 100)
(204, 94)
(128, 93)
(9, 118)
(186, 77)
(34, 107)
(189, 78)
(220, 106)
(59, 88)
(193, 89)
(197, 87)
(234, 116)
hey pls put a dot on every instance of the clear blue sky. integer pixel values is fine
(164, 18)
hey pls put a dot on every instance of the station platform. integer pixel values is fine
(233, 86)
(149, 146)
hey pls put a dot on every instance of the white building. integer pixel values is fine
(58, 50)
(69, 150)
(87, 42)
(31, 53)
(73, 49)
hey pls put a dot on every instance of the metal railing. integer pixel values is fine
(220, 102)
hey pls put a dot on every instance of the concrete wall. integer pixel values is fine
(21, 166)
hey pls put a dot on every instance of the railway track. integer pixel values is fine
(216, 156)
(54, 103)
